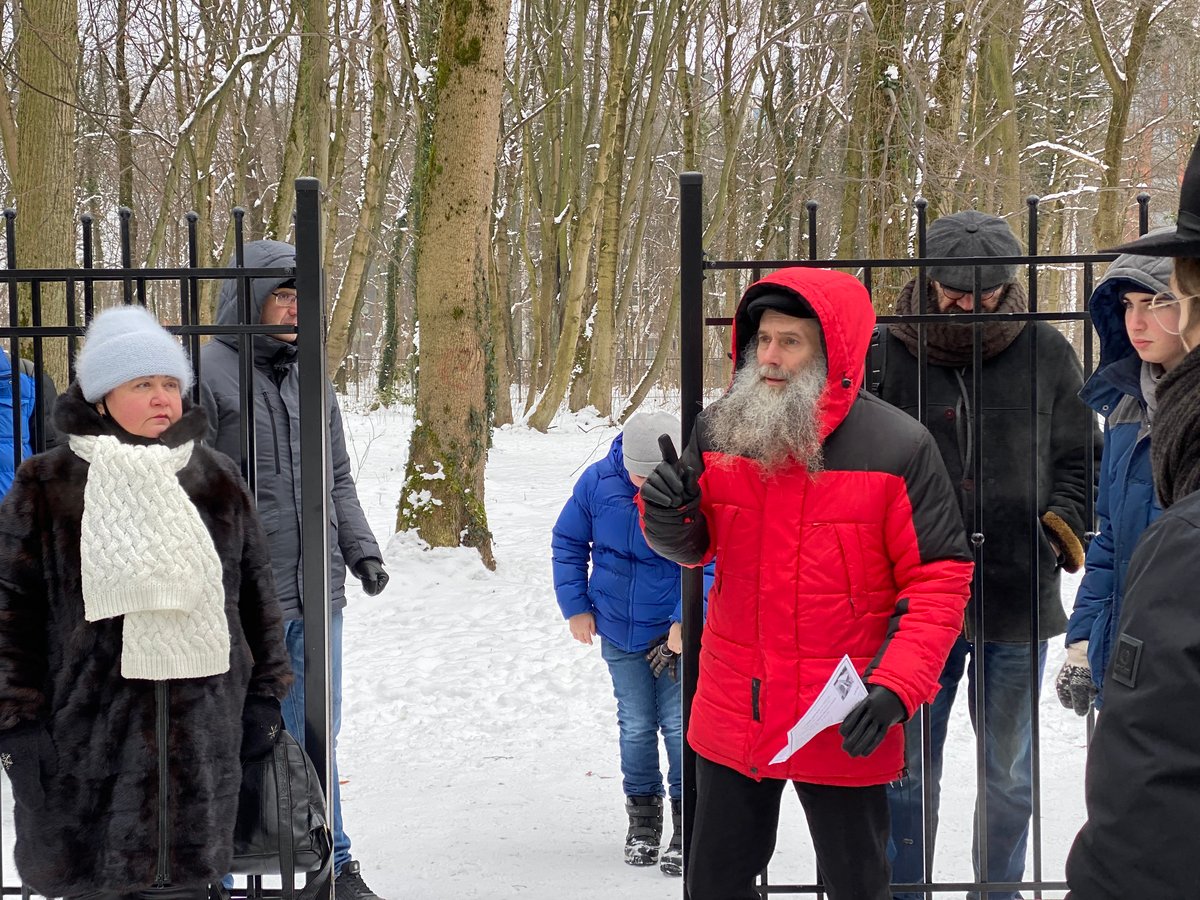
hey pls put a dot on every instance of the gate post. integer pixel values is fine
(314, 493)
(691, 388)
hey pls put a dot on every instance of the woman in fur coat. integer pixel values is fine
(141, 648)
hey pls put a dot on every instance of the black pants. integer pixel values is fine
(733, 836)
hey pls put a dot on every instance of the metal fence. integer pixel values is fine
(183, 284)
(694, 264)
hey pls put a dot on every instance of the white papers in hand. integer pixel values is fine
(841, 693)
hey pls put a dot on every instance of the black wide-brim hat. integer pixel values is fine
(1185, 239)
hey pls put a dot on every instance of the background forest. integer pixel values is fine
(171, 106)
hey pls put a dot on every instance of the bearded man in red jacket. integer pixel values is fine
(836, 532)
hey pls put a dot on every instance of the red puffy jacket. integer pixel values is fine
(867, 559)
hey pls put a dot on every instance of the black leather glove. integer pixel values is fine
(663, 659)
(262, 721)
(865, 726)
(1074, 685)
(370, 572)
(672, 485)
(25, 750)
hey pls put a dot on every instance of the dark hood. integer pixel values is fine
(257, 255)
(1127, 273)
(1120, 366)
(843, 307)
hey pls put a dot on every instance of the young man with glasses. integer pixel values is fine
(1020, 513)
(1137, 321)
(352, 546)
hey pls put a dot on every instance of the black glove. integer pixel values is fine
(262, 721)
(25, 751)
(1074, 685)
(663, 659)
(671, 485)
(865, 726)
(370, 572)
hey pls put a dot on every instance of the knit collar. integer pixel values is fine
(74, 415)
(952, 344)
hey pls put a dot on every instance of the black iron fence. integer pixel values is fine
(179, 289)
(694, 265)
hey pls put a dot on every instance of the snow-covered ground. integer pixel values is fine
(479, 745)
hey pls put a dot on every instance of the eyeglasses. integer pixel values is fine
(285, 299)
(1164, 307)
(956, 296)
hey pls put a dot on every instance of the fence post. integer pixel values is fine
(691, 389)
(314, 494)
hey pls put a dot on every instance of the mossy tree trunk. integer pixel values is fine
(47, 60)
(442, 497)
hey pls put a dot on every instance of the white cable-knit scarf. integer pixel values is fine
(146, 555)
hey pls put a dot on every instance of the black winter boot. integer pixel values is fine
(645, 830)
(672, 858)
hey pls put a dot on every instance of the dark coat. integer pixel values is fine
(1125, 500)
(1012, 515)
(276, 392)
(87, 786)
(865, 558)
(1143, 766)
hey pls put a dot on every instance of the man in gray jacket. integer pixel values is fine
(277, 464)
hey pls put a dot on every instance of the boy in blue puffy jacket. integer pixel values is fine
(631, 598)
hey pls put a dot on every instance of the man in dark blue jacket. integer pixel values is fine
(631, 598)
(352, 546)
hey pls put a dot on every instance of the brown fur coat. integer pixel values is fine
(88, 801)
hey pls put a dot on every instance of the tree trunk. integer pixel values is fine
(344, 315)
(47, 59)
(442, 497)
(306, 151)
(619, 17)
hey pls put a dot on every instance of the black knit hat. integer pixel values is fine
(789, 304)
(970, 233)
(1185, 239)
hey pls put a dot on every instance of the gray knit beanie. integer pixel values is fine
(123, 343)
(971, 234)
(640, 442)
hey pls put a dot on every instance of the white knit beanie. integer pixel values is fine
(123, 343)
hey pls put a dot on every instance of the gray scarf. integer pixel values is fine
(949, 344)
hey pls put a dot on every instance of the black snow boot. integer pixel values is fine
(672, 858)
(645, 830)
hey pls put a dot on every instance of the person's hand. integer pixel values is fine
(583, 627)
(865, 726)
(1074, 685)
(671, 485)
(663, 659)
(675, 637)
(262, 721)
(370, 572)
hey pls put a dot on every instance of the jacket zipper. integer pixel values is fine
(755, 687)
(163, 877)
(274, 431)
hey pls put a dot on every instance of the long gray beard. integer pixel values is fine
(771, 425)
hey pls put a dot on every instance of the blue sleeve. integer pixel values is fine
(571, 548)
(1096, 589)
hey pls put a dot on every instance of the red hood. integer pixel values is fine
(843, 306)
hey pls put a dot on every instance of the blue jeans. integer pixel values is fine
(645, 705)
(293, 716)
(1008, 759)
